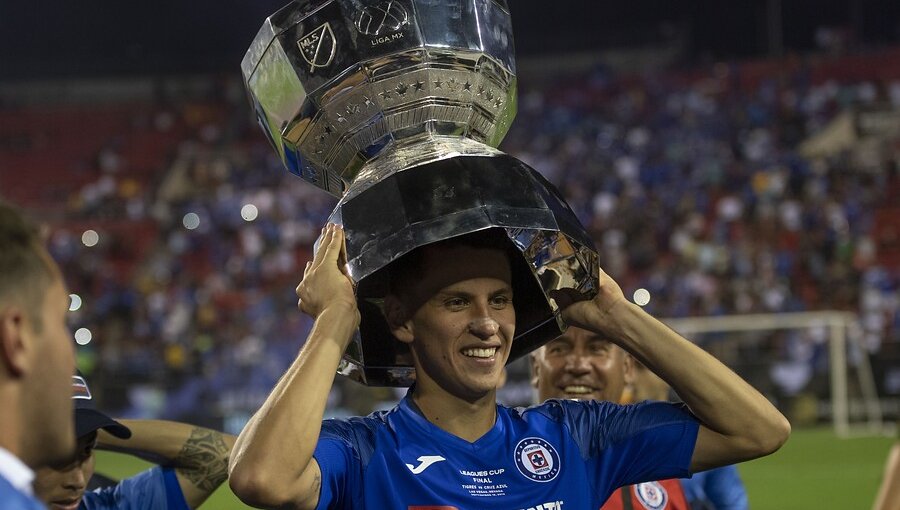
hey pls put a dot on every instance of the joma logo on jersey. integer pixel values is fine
(552, 505)
(537, 459)
(424, 462)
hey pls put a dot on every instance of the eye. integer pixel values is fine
(455, 303)
(557, 349)
(599, 349)
(500, 301)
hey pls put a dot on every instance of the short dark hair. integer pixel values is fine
(24, 270)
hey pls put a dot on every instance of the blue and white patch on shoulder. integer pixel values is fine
(537, 459)
(652, 495)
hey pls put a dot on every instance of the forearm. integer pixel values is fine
(169, 443)
(888, 497)
(198, 455)
(723, 402)
(276, 446)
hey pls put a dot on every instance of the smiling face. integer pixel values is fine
(463, 322)
(63, 488)
(580, 365)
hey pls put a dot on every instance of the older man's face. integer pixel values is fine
(580, 365)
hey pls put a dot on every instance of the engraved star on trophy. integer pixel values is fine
(396, 107)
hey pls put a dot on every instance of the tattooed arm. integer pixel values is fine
(198, 455)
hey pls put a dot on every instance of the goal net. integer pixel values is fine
(812, 365)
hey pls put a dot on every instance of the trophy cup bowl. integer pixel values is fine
(396, 107)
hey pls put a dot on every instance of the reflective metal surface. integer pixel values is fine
(396, 107)
(489, 194)
(336, 82)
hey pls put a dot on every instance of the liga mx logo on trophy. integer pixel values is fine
(383, 18)
(396, 108)
(318, 47)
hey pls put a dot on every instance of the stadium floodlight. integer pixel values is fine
(90, 238)
(74, 302)
(83, 336)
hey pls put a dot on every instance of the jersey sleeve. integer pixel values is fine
(343, 449)
(154, 489)
(635, 443)
(724, 488)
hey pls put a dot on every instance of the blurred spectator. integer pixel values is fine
(692, 182)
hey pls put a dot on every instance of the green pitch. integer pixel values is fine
(814, 470)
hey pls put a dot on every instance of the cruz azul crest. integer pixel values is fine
(318, 47)
(652, 495)
(537, 459)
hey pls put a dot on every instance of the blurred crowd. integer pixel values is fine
(694, 184)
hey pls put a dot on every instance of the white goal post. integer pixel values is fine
(839, 325)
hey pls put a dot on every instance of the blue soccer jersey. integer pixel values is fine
(560, 455)
(13, 499)
(154, 489)
(719, 488)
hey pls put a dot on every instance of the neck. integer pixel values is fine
(466, 419)
(10, 425)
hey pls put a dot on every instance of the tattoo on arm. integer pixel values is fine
(317, 483)
(203, 459)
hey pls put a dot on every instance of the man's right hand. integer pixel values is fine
(272, 464)
(326, 282)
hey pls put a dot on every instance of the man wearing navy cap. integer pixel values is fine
(193, 462)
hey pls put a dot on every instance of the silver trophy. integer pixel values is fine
(396, 107)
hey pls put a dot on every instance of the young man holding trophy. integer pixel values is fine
(443, 260)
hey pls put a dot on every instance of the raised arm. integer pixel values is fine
(737, 422)
(272, 464)
(888, 497)
(198, 455)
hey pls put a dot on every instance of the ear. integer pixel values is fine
(397, 319)
(628, 369)
(535, 367)
(15, 336)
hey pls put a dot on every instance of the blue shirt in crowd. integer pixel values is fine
(716, 489)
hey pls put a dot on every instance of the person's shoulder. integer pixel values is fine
(358, 433)
(355, 425)
(13, 499)
(559, 409)
(147, 485)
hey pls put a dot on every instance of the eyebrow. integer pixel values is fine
(461, 293)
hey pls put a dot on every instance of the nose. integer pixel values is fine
(75, 479)
(484, 327)
(577, 363)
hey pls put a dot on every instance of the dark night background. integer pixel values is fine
(65, 38)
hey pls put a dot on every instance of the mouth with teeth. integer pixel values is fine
(480, 353)
(66, 504)
(577, 390)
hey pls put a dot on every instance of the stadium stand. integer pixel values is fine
(708, 187)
